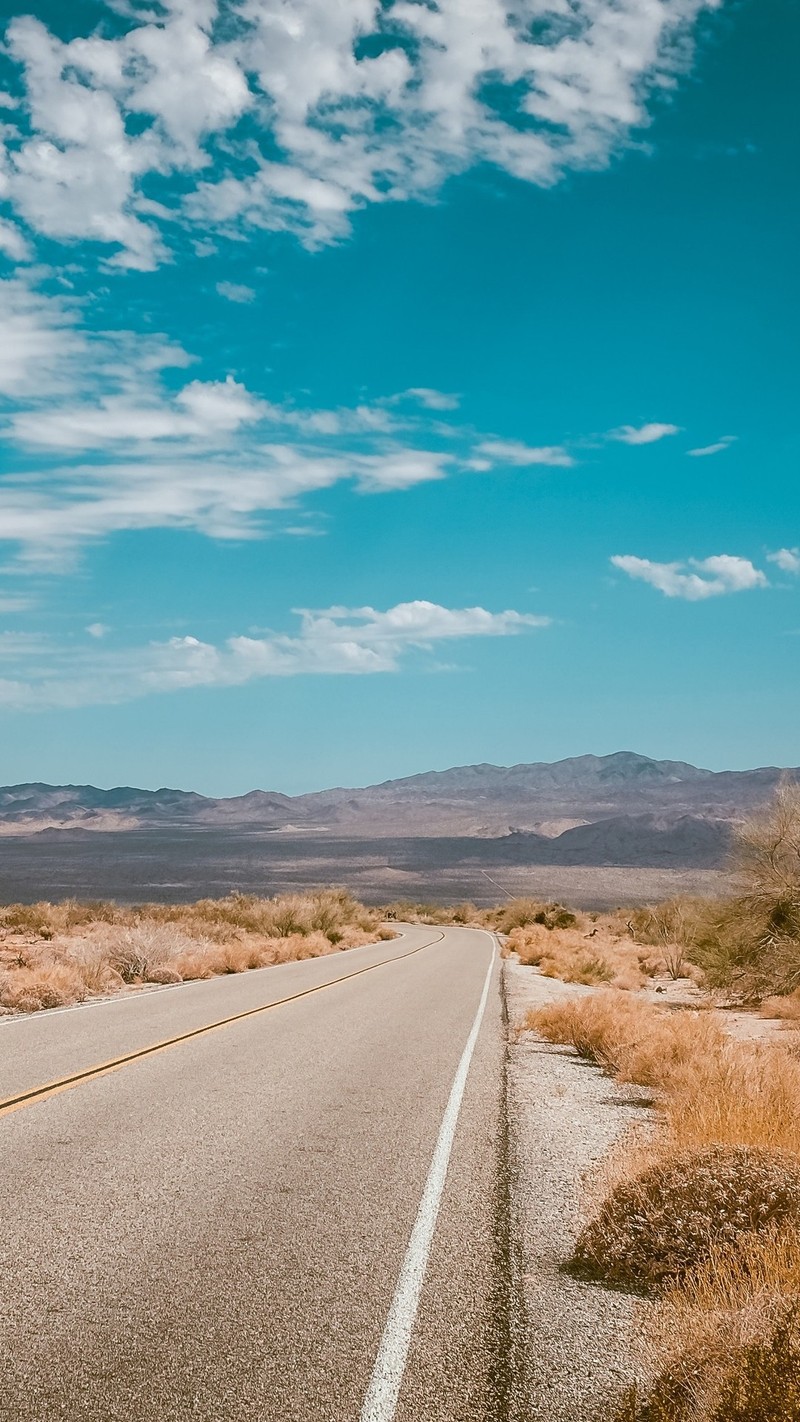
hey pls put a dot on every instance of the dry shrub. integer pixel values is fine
(725, 1343)
(739, 1094)
(524, 913)
(629, 1038)
(787, 1009)
(52, 955)
(674, 927)
(576, 958)
(47, 985)
(665, 1221)
(752, 945)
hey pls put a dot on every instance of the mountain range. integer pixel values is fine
(615, 809)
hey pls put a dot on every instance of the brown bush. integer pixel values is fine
(627, 1036)
(575, 958)
(668, 1219)
(724, 1345)
(55, 954)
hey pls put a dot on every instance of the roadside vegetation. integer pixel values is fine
(700, 1210)
(53, 955)
(703, 1212)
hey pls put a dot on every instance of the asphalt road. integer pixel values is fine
(217, 1230)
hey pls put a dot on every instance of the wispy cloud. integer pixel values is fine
(236, 292)
(431, 399)
(724, 443)
(104, 432)
(697, 578)
(365, 103)
(643, 434)
(334, 641)
(510, 451)
(787, 559)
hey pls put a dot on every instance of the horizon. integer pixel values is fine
(433, 770)
(374, 397)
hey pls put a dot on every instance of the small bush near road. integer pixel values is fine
(666, 1220)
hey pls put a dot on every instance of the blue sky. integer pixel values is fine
(392, 386)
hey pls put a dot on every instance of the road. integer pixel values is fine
(222, 1229)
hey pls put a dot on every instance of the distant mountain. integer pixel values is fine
(591, 810)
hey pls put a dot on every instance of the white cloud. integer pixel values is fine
(202, 410)
(787, 559)
(12, 242)
(40, 341)
(98, 630)
(710, 577)
(644, 434)
(334, 641)
(724, 443)
(356, 102)
(509, 451)
(431, 399)
(103, 436)
(234, 291)
(15, 604)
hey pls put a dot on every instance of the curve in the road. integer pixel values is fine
(47, 1089)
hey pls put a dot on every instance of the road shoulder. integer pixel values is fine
(577, 1344)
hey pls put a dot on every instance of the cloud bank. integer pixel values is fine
(291, 117)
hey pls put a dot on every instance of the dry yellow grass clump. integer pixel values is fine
(628, 1037)
(725, 1345)
(52, 955)
(577, 956)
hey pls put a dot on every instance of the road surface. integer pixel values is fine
(236, 1226)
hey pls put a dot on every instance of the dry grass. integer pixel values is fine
(710, 1201)
(725, 1345)
(787, 1009)
(52, 955)
(629, 1038)
(579, 957)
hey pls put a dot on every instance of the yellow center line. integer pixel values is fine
(64, 1083)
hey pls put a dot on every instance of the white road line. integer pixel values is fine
(380, 1402)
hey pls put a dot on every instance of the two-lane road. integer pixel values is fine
(231, 1227)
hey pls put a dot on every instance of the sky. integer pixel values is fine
(396, 384)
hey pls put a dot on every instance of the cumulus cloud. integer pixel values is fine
(201, 410)
(510, 451)
(333, 641)
(355, 103)
(98, 630)
(643, 434)
(697, 579)
(724, 443)
(787, 559)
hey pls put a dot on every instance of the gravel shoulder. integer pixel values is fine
(564, 1115)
